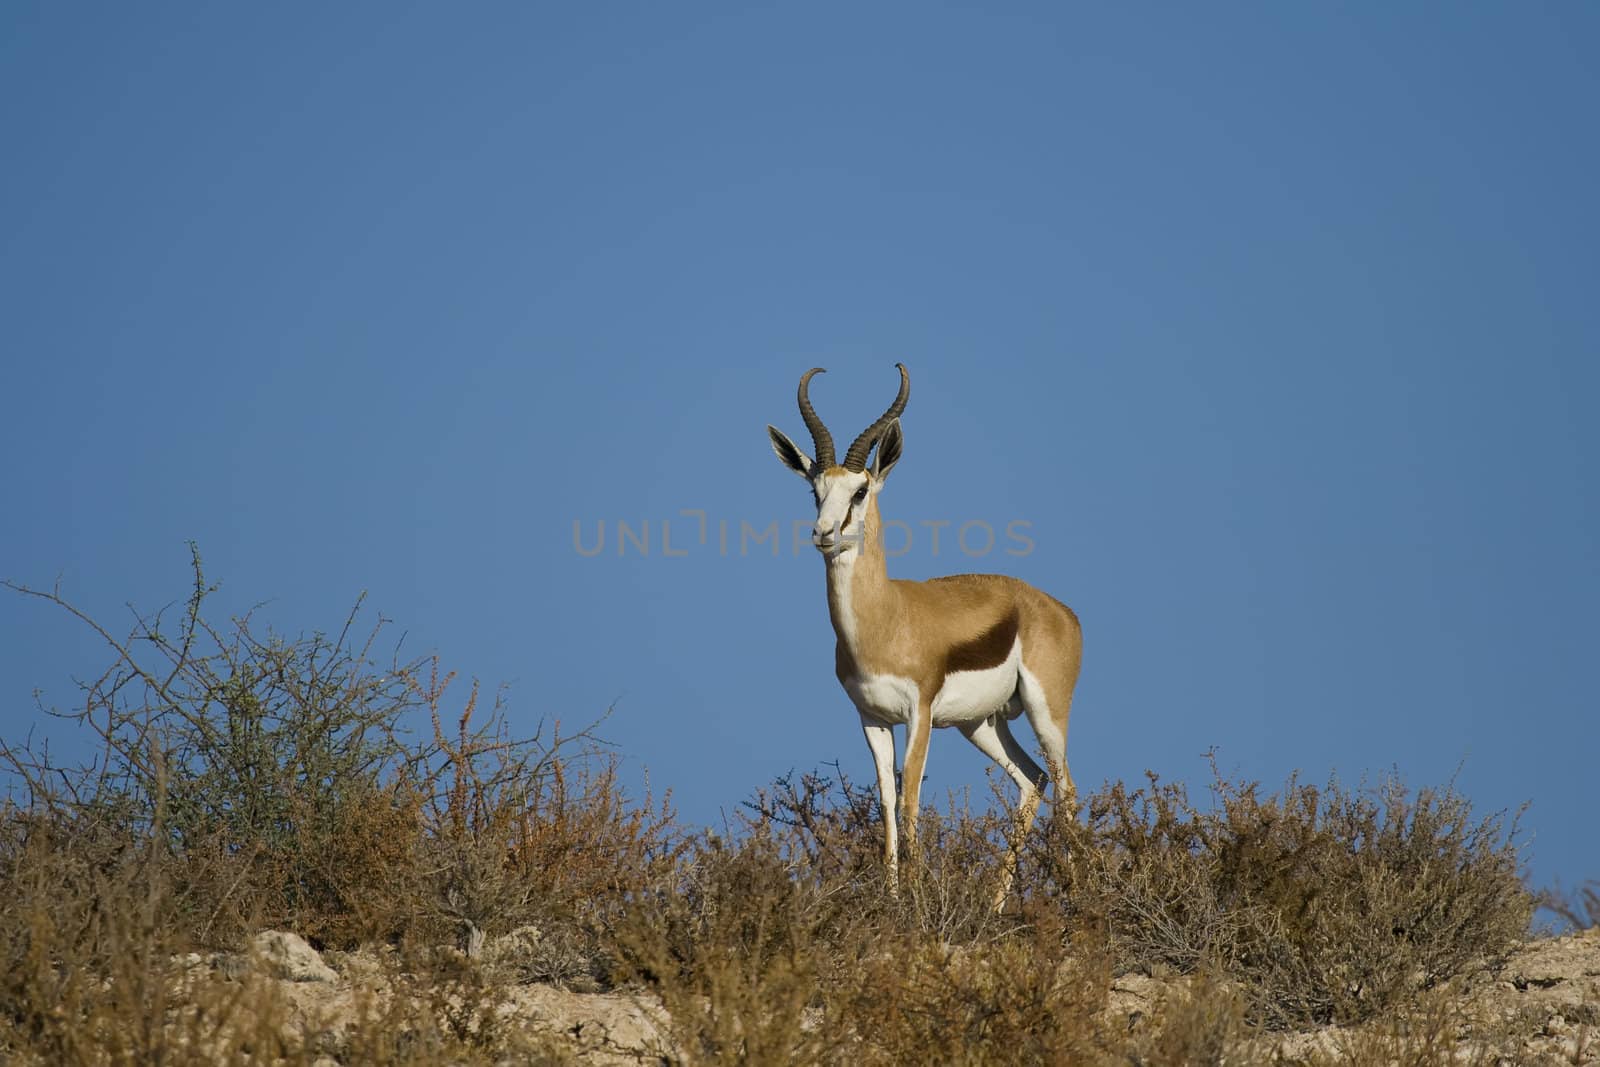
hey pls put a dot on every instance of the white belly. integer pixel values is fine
(965, 696)
(972, 696)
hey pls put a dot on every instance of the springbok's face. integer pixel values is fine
(843, 498)
(844, 491)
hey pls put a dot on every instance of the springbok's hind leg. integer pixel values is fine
(993, 738)
(1047, 700)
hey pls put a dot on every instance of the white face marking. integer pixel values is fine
(840, 574)
(842, 499)
(972, 696)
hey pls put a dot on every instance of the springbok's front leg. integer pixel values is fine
(880, 739)
(917, 735)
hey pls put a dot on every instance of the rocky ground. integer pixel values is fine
(316, 1000)
(1541, 1007)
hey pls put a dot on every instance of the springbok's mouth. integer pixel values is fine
(830, 548)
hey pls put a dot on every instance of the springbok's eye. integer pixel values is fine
(861, 494)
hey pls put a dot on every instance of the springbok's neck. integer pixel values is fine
(860, 598)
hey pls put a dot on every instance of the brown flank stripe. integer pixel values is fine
(988, 649)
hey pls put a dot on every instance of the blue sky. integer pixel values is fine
(1274, 323)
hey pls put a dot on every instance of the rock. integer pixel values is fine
(230, 965)
(367, 965)
(1548, 963)
(602, 1028)
(287, 956)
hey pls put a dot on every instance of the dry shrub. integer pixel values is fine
(1144, 870)
(294, 795)
(533, 835)
(1306, 906)
(249, 781)
(1579, 910)
(1327, 905)
(438, 1010)
(781, 943)
(1029, 998)
(732, 947)
(1438, 1030)
(442, 1006)
(828, 830)
(270, 760)
(776, 945)
(1198, 1022)
(89, 964)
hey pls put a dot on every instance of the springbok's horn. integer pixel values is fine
(856, 458)
(820, 437)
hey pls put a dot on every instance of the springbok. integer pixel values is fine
(971, 651)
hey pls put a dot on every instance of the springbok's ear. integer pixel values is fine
(792, 457)
(888, 454)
